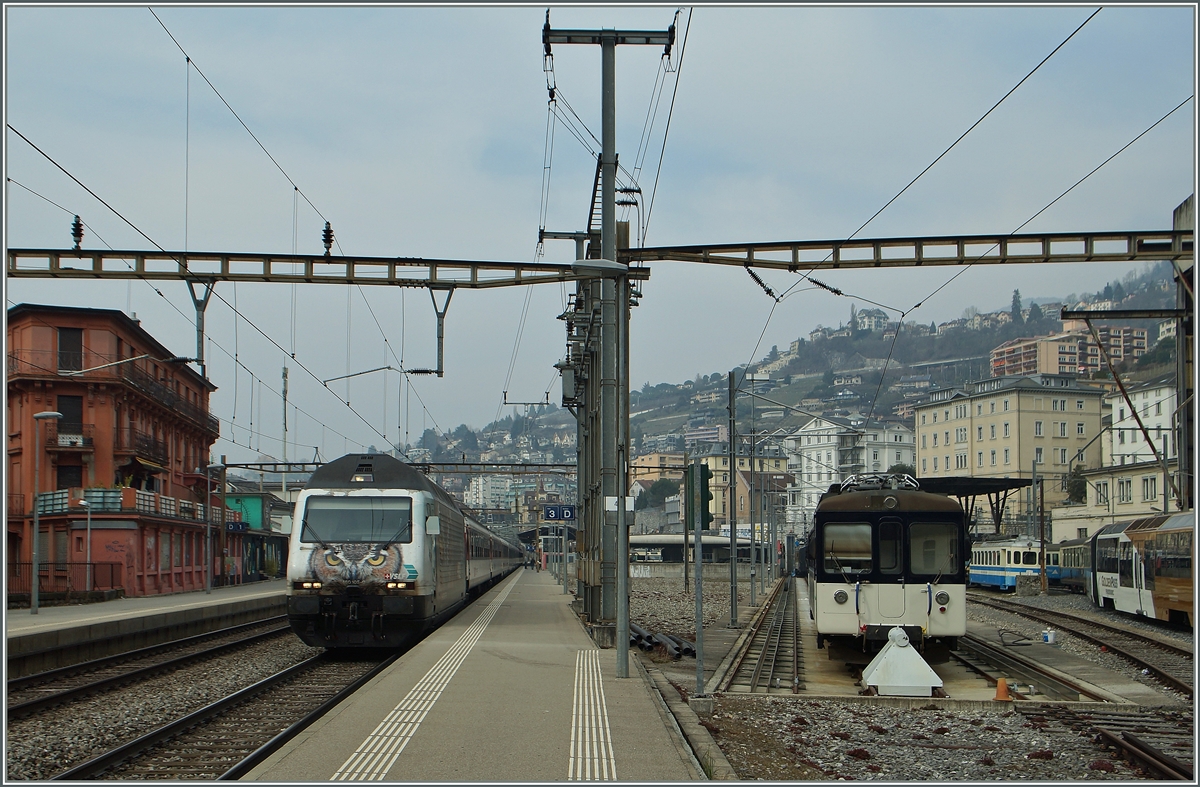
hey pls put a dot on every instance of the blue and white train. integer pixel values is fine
(380, 552)
(997, 564)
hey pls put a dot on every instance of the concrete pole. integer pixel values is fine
(37, 461)
(207, 527)
(697, 518)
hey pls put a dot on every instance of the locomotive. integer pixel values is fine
(379, 552)
(883, 554)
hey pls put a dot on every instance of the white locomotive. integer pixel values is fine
(379, 552)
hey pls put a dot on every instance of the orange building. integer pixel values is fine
(134, 436)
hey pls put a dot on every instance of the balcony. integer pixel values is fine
(144, 382)
(124, 500)
(144, 446)
(60, 434)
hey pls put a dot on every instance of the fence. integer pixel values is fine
(65, 577)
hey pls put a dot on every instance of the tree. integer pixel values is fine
(466, 438)
(1108, 292)
(969, 312)
(827, 378)
(1118, 292)
(901, 468)
(1035, 313)
(1076, 486)
(1017, 319)
(429, 440)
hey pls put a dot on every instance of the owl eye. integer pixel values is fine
(332, 559)
(376, 559)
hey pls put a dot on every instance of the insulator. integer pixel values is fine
(327, 238)
(77, 232)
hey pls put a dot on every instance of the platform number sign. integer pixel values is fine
(558, 513)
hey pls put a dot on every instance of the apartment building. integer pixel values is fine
(133, 440)
(1000, 427)
(1155, 403)
(830, 449)
(1115, 494)
(1067, 353)
(768, 463)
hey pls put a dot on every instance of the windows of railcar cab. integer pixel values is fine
(933, 548)
(1029, 558)
(1106, 555)
(847, 547)
(889, 546)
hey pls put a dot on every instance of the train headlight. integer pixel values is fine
(890, 502)
(397, 585)
(306, 586)
(942, 597)
(841, 597)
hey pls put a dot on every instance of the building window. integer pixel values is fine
(1158, 407)
(1124, 490)
(1006, 429)
(978, 409)
(1078, 404)
(922, 419)
(935, 416)
(979, 459)
(935, 464)
(923, 467)
(960, 460)
(992, 407)
(979, 433)
(70, 349)
(1037, 428)
(1062, 428)
(1079, 430)
(1149, 488)
(993, 457)
(1006, 405)
(1102, 493)
(993, 432)
(1062, 455)
(1081, 532)
(1037, 455)
(935, 439)
(897, 456)
(1005, 456)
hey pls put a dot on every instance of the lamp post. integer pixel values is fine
(37, 461)
(88, 507)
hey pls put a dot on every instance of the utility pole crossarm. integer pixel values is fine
(210, 267)
(653, 37)
(1134, 246)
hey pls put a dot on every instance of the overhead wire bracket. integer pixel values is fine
(441, 329)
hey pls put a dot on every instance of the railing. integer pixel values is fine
(129, 439)
(100, 501)
(50, 362)
(66, 435)
(65, 577)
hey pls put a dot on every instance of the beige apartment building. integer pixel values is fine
(769, 468)
(998, 428)
(1074, 352)
(653, 466)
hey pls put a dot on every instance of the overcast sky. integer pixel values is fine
(422, 131)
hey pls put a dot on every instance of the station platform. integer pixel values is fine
(61, 635)
(511, 690)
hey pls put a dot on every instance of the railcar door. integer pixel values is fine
(890, 538)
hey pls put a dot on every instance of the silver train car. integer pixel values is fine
(379, 553)
(883, 554)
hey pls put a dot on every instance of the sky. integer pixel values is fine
(422, 131)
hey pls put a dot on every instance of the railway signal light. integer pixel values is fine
(706, 496)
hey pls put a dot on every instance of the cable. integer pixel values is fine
(670, 114)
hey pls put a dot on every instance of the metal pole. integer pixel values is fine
(208, 528)
(1042, 535)
(731, 491)
(88, 507)
(697, 518)
(622, 590)
(751, 499)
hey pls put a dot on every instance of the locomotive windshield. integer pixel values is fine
(375, 520)
(847, 547)
(933, 548)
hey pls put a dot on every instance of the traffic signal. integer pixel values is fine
(689, 487)
(706, 516)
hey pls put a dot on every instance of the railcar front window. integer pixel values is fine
(889, 546)
(373, 520)
(933, 548)
(847, 548)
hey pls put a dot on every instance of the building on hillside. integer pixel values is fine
(1067, 353)
(1155, 403)
(769, 459)
(871, 320)
(952, 325)
(1167, 329)
(671, 442)
(830, 449)
(133, 441)
(847, 379)
(658, 464)
(709, 397)
(998, 428)
(707, 434)
(912, 382)
(489, 491)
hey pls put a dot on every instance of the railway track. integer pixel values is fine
(1171, 664)
(1160, 741)
(228, 738)
(994, 663)
(29, 695)
(771, 658)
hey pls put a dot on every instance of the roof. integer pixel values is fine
(383, 471)
(967, 486)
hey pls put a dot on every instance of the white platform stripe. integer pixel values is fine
(591, 756)
(373, 758)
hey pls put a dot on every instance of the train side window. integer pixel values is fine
(1029, 559)
(889, 546)
(847, 548)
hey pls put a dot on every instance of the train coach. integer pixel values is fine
(380, 552)
(883, 554)
(997, 564)
(1145, 567)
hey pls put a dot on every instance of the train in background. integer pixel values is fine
(1142, 566)
(379, 552)
(884, 554)
(997, 564)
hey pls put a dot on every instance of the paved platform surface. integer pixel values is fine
(20, 623)
(511, 690)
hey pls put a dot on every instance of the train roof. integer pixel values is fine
(876, 500)
(375, 471)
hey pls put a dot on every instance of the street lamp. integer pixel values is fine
(37, 461)
(88, 507)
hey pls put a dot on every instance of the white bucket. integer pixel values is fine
(1048, 636)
